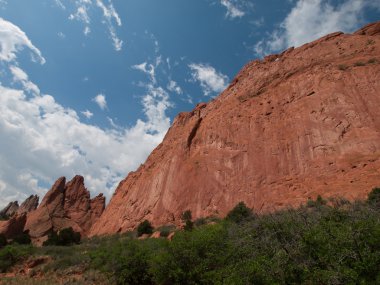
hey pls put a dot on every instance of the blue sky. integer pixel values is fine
(90, 87)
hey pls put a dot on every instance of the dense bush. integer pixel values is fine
(334, 243)
(374, 197)
(23, 238)
(64, 237)
(3, 241)
(144, 227)
(187, 219)
(239, 213)
(11, 254)
(4, 217)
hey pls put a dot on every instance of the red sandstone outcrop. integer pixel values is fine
(65, 205)
(289, 127)
(14, 226)
(9, 210)
(30, 204)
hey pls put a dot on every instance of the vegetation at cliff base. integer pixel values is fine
(324, 242)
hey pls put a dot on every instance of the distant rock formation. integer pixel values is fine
(9, 210)
(290, 127)
(64, 205)
(30, 204)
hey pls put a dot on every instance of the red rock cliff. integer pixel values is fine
(65, 205)
(295, 125)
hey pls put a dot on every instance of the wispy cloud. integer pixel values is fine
(111, 15)
(100, 99)
(13, 39)
(87, 114)
(209, 78)
(147, 69)
(110, 18)
(60, 4)
(174, 87)
(232, 10)
(311, 19)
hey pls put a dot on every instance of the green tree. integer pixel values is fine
(374, 197)
(3, 241)
(239, 213)
(65, 237)
(144, 227)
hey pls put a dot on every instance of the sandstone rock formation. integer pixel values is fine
(289, 127)
(14, 226)
(65, 205)
(9, 210)
(30, 204)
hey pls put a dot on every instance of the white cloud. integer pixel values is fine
(41, 140)
(100, 99)
(60, 4)
(210, 79)
(110, 14)
(81, 14)
(173, 87)
(232, 10)
(312, 19)
(13, 39)
(87, 114)
(109, 17)
(146, 68)
(19, 75)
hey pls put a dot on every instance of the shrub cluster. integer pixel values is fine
(64, 237)
(322, 243)
(144, 227)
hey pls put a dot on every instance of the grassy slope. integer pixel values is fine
(315, 244)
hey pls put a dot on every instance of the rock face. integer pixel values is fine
(10, 209)
(290, 127)
(30, 204)
(65, 205)
(14, 226)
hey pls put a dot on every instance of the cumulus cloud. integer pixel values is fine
(311, 19)
(232, 10)
(87, 114)
(209, 79)
(41, 140)
(100, 99)
(12, 40)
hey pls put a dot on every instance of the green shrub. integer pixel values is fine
(65, 237)
(4, 217)
(189, 225)
(23, 238)
(239, 213)
(3, 241)
(374, 197)
(144, 227)
(11, 254)
(186, 216)
(319, 201)
(200, 222)
(359, 63)
(342, 67)
(372, 61)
